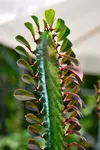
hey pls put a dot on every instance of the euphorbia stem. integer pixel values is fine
(51, 85)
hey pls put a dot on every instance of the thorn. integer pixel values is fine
(39, 113)
(37, 101)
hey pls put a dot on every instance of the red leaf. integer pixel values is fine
(71, 107)
(75, 69)
(72, 119)
(76, 97)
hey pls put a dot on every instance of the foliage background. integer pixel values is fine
(13, 133)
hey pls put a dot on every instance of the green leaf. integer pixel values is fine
(73, 60)
(31, 118)
(22, 94)
(45, 25)
(27, 79)
(76, 89)
(24, 64)
(20, 50)
(64, 32)
(29, 26)
(32, 144)
(22, 40)
(49, 15)
(36, 20)
(59, 25)
(66, 45)
(75, 132)
(31, 106)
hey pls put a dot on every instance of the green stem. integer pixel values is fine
(51, 92)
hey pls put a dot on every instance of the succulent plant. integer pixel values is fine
(54, 75)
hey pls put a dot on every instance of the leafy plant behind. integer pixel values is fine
(54, 74)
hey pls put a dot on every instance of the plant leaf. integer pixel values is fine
(33, 130)
(71, 78)
(22, 40)
(23, 95)
(75, 132)
(29, 105)
(76, 97)
(49, 15)
(45, 25)
(32, 144)
(20, 50)
(64, 32)
(76, 89)
(66, 45)
(29, 26)
(36, 20)
(59, 24)
(74, 60)
(27, 79)
(24, 64)
(75, 69)
(72, 120)
(31, 118)
(75, 144)
(72, 107)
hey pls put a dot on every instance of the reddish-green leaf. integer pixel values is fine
(29, 105)
(75, 69)
(75, 132)
(32, 144)
(75, 97)
(33, 130)
(72, 108)
(75, 144)
(72, 120)
(71, 78)
(72, 59)
(76, 89)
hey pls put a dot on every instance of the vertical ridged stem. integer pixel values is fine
(45, 95)
(49, 73)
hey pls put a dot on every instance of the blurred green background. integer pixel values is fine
(13, 133)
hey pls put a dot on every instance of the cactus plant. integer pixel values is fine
(54, 75)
